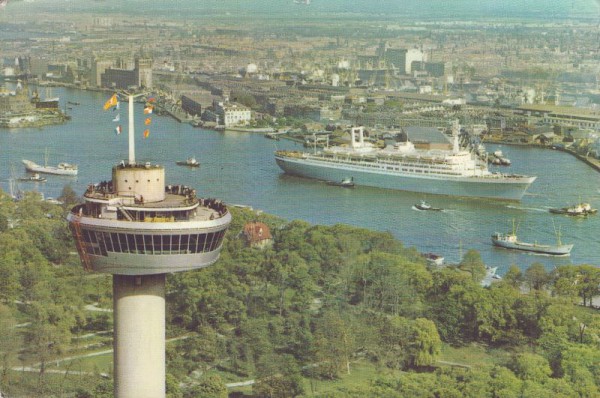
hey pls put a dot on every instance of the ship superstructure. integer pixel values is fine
(400, 166)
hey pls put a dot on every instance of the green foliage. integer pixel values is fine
(581, 281)
(536, 276)
(278, 377)
(322, 299)
(172, 387)
(334, 344)
(513, 277)
(472, 263)
(426, 344)
(210, 386)
(531, 367)
(9, 342)
(69, 197)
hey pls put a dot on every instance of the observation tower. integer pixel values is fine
(138, 228)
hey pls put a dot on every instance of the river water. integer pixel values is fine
(239, 168)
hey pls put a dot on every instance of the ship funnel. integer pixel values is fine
(455, 133)
(354, 131)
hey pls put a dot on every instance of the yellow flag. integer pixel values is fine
(111, 102)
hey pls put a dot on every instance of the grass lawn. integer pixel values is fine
(100, 363)
(476, 356)
(361, 373)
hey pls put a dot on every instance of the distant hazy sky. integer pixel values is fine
(417, 9)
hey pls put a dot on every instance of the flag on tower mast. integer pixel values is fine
(112, 101)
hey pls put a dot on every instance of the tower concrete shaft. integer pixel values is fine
(139, 336)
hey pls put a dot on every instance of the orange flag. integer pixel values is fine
(112, 101)
(146, 133)
(147, 121)
(147, 110)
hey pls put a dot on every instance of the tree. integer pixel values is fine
(48, 333)
(395, 336)
(472, 263)
(514, 276)
(589, 282)
(210, 386)
(426, 344)
(9, 342)
(334, 344)
(497, 316)
(531, 367)
(172, 387)
(504, 383)
(68, 196)
(452, 305)
(536, 276)
(565, 282)
(278, 377)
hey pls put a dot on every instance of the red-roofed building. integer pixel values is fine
(258, 235)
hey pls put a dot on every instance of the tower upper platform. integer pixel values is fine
(137, 225)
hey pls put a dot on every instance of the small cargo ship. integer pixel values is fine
(510, 241)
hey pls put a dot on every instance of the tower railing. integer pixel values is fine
(80, 244)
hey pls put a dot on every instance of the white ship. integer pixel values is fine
(65, 169)
(400, 166)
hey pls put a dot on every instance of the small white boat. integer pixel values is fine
(433, 259)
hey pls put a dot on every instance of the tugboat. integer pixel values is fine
(190, 162)
(426, 206)
(580, 209)
(345, 183)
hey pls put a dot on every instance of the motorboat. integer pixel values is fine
(34, 178)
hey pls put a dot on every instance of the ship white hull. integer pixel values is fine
(36, 168)
(512, 188)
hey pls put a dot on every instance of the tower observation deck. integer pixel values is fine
(138, 228)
